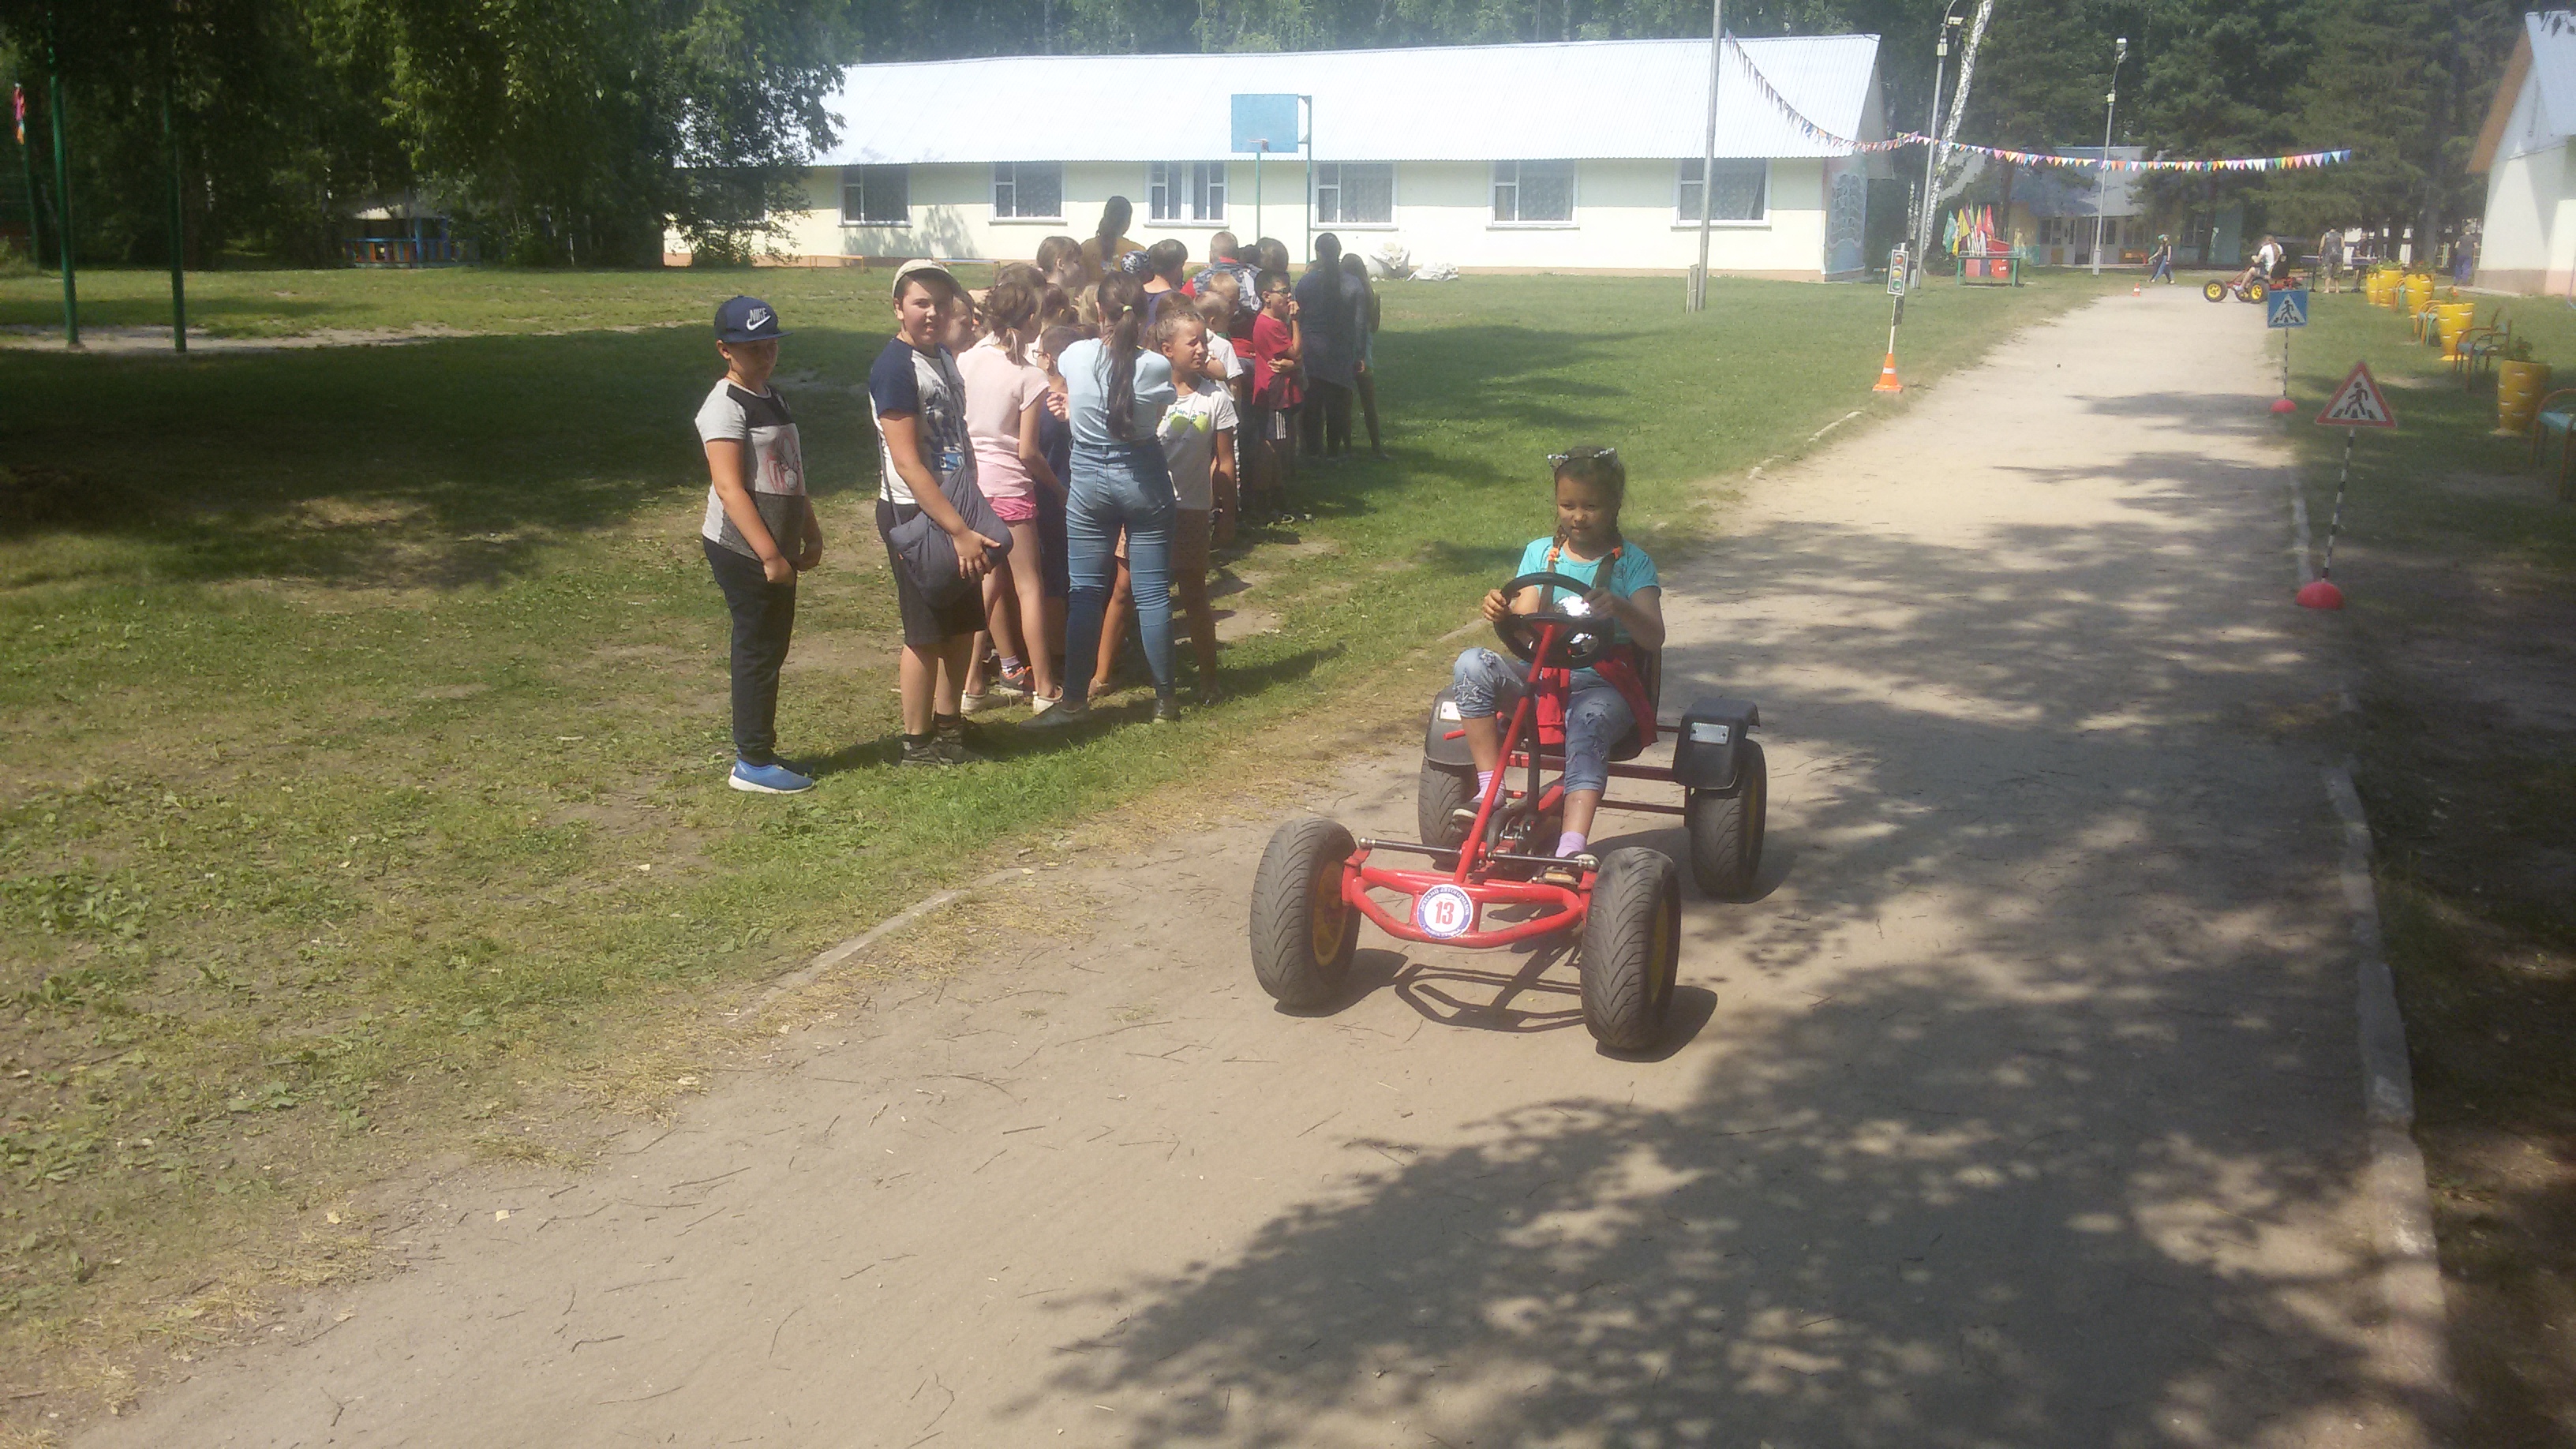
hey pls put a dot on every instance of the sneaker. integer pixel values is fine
(974, 703)
(768, 780)
(1166, 709)
(1041, 703)
(923, 756)
(1061, 712)
(1210, 697)
(951, 745)
(1463, 820)
(1022, 685)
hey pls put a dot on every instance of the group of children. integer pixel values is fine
(977, 455)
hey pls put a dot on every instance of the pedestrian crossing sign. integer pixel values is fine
(2358, 403)
(2286, 309)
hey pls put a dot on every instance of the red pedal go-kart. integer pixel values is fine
(1480, 886)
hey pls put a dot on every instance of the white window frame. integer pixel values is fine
(1573, 198)
(854, 178)
(1007, 173)
(1197, 179)
(1336, 168)
(1686, 215)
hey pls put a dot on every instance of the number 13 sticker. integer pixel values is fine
(1444, 911)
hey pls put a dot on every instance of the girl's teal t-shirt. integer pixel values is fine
(1634, 570)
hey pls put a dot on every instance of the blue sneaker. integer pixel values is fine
(768, 779)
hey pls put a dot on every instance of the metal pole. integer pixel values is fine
(2334, 530)
(1708, 156)
(1932, 147)
(62, 185)
(1258, 152)
(178, 210)
(2102, 175)
(1309, 253)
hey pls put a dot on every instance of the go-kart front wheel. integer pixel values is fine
(1632, 944)
(1303, 932)
(2214, 291)
(1726, 829)
(2256, 291)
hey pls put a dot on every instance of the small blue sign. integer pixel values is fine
(2286, 309)
(1265, 123)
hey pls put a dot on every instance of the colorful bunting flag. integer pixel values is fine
(1812, 131)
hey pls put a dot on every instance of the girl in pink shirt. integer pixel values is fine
(1005, 394)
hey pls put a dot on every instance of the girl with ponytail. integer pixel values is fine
(1115, 393)
(1005, 397)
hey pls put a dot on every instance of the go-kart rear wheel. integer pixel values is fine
(1303, 932)
(2256, 291)
(2214, 291)
(1443, 791)
(1726, 829)
(1632, 944)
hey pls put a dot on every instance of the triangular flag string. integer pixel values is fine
(2301, 161)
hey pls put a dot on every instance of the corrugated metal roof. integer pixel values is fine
(1632, 99)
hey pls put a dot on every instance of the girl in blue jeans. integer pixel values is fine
(1115, 394)
(1590, 484)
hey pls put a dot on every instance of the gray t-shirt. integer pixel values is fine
(924, 386)
(761, 423)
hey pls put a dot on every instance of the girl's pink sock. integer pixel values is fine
(1569, 844)
(1484, 782)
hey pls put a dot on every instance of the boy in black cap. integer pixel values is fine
(760, 532)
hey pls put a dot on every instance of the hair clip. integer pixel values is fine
(1561, 459)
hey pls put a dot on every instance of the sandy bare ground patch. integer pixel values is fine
(2022, 1108)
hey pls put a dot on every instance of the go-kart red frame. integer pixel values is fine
(1569, 905)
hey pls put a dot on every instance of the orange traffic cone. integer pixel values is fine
(2135, 290)
(1887, 376)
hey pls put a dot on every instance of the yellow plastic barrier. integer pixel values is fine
(2519, 386)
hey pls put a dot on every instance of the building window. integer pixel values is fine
(1742, 188)
(1186, 191)
(1355, 193)
(1028, 190)
(1527, 192)
(876, 196)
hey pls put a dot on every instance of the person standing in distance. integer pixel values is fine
(923, 443)
(760, 532)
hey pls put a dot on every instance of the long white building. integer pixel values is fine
(1572, 157)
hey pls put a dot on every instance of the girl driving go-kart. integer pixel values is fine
(1602, 701)
(1508, 857)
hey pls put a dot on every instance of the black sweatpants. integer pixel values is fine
(764, 614)
(1326, 418)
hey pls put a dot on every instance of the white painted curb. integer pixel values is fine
(2400, 1203)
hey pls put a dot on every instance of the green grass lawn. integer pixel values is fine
(2459, 568)
(364, 790)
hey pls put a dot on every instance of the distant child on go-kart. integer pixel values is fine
(1603, 700)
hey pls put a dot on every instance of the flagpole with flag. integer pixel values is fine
(26, 167)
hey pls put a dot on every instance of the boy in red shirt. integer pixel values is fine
(1275, 396)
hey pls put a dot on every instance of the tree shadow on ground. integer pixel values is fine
(2030, 1115)
(444, 463)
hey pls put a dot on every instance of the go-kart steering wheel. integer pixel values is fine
(1580, 637)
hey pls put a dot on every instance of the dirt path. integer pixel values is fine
(2023, 1109)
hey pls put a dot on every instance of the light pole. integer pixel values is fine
(2102, 177)
(1698, 298)
(1932, 148)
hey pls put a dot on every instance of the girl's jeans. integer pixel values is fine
(1121, 486)
(1596, 714)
